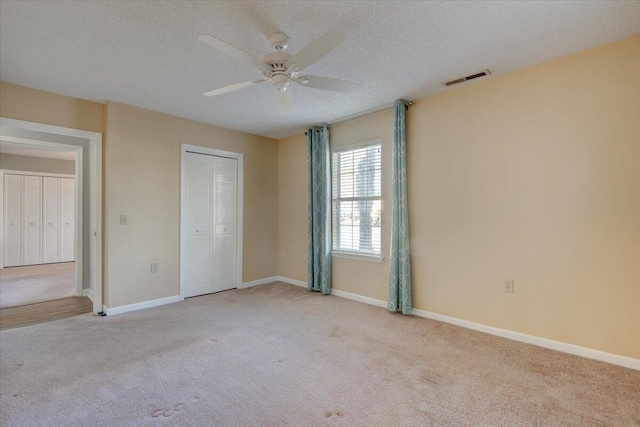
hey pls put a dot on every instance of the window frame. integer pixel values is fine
(335, 188)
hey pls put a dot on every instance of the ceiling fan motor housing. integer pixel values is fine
(277, 60)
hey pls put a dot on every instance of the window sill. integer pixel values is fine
(361, 257)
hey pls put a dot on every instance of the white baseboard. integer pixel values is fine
(88, 293)
(258, 282)
(627, 362)
(291, 281)
(616, 359)
(360, 298)
(140, 305)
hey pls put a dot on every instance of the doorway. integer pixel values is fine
(39, 213)
(65, 210)
(211, 221)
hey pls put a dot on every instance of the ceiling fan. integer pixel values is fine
(281, 68)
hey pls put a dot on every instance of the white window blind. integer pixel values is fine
(357, 199)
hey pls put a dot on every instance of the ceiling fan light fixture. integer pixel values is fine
(280, 81)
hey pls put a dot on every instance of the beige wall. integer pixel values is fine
(292, 207)
(36, 164)
(532, 175)
(142, 180)
(22, 103)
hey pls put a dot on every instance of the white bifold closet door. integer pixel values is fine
(32, 223)
(12, 215)
(210, 224)
(39, 220)
(67, 219)
(58, 236)
(51, 215)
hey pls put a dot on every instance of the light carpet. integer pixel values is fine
(37, 283)
(278, 355)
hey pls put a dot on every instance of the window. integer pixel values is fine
(357, 198)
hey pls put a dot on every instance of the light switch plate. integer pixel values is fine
(154, 267)
(508, 285)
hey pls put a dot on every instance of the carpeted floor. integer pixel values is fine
(277, 355)
(37, 283)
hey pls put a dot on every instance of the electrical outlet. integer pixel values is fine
(508, 285)
(123, 220)
(154, 267)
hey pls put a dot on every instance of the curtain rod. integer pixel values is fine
(364, 115)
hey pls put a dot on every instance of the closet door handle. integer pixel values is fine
(33, 223)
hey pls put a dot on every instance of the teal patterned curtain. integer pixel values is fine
(319, 272)
(400, 262)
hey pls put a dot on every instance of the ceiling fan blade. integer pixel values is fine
(327, 83)
(232, 51)
(284, 101)
(234, 87)
(316, 49)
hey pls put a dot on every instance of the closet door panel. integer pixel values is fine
(224, 199)
(12, 215)
(32, 224)
(198, 225)
(67, 219)
(51, 217)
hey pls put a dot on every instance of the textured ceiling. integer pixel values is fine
(147, 53)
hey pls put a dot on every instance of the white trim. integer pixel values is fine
(184, 148)
(359, 256)
(627, 362)
(87, 293)
(291, 281)
(79, 218)
(359, 298)
(141, 305)
(30, 173)
(355, 145)
(95, 203)
(258, 282)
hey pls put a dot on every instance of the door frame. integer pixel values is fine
(188, 148)
(95, 290)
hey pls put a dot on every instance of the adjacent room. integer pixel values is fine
(320, 213)
(38, 262)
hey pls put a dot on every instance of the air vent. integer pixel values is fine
(471, 77)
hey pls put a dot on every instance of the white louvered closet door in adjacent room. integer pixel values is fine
(67, 219)
(32, 220)
(39, 220)
(209, 225)
(51, 216)
(12, 217)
